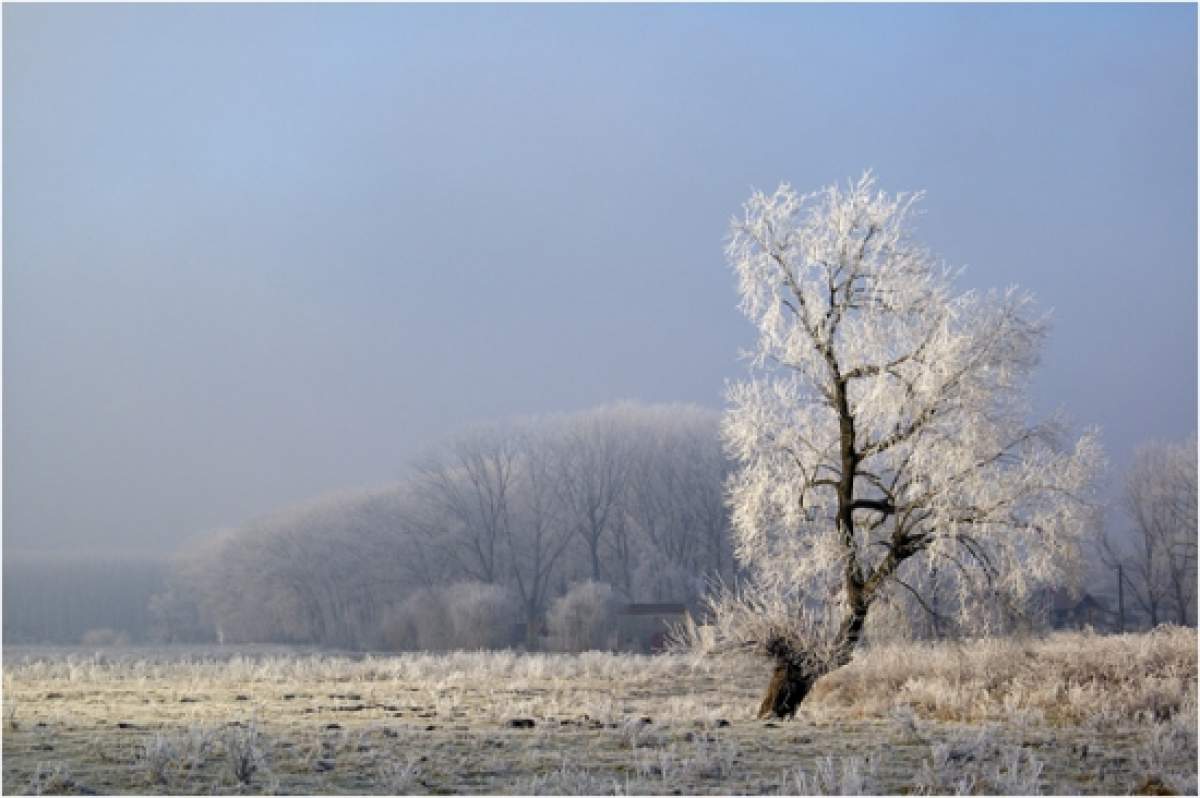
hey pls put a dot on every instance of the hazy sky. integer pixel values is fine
(256, 253)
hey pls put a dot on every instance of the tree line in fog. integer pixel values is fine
(505, 534)
(537, 533)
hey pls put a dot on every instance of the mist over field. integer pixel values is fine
(597, 367)
(256, 255)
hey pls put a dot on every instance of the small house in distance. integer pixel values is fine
(1068, 611)
(643, 627)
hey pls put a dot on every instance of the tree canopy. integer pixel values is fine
(883, 441)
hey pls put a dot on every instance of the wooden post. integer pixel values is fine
(1120, 599)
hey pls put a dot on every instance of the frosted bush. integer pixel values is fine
(936, 777)
(585, 617)
(244, 755)
(1018, 772)
(466, 615)
(157, 759)
(853, 775)
(978, 761)
(421, 622)
(481, 615)
(400, 779)
(195, 745)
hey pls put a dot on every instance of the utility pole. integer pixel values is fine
(1120, 599)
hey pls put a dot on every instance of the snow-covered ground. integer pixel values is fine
(1070, 713)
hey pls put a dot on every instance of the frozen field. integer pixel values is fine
(1066, 714)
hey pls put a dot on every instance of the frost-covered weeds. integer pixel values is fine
(1065, 678)
(990, 716)
(979, 762)
(168, 757)
(1171, 742)
(213, 665)
(853, 775)
(158, 759)
(171, 761)
(52, 780)
(969, 763)
(400, 778)
(569, 779)
(244, 755)
(659, 768)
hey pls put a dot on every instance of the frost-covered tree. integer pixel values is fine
(466, 489)
(884, 433)
(537, 538)
(529, 507)
(676, 498)
(1159, 554)
(593, 472)
(585, 617)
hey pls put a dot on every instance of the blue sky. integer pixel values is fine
(255, 253)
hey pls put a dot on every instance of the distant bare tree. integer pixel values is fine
(593, 458)
(676, 496)
(465, 489)
(537, 537)
(1158, 558)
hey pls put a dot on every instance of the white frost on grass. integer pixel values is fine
(943, 718)
(852, 775)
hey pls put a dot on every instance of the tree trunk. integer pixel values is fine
(789, 686)
(797, 671)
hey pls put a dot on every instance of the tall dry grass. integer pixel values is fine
(1066, 678)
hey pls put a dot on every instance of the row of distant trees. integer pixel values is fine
(511, 532)
(496, 537)
(534, 532)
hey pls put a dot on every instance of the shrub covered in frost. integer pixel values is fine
(466, 615)
(481, 615)
(584, 618)
(853, 775)
(419, 623)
